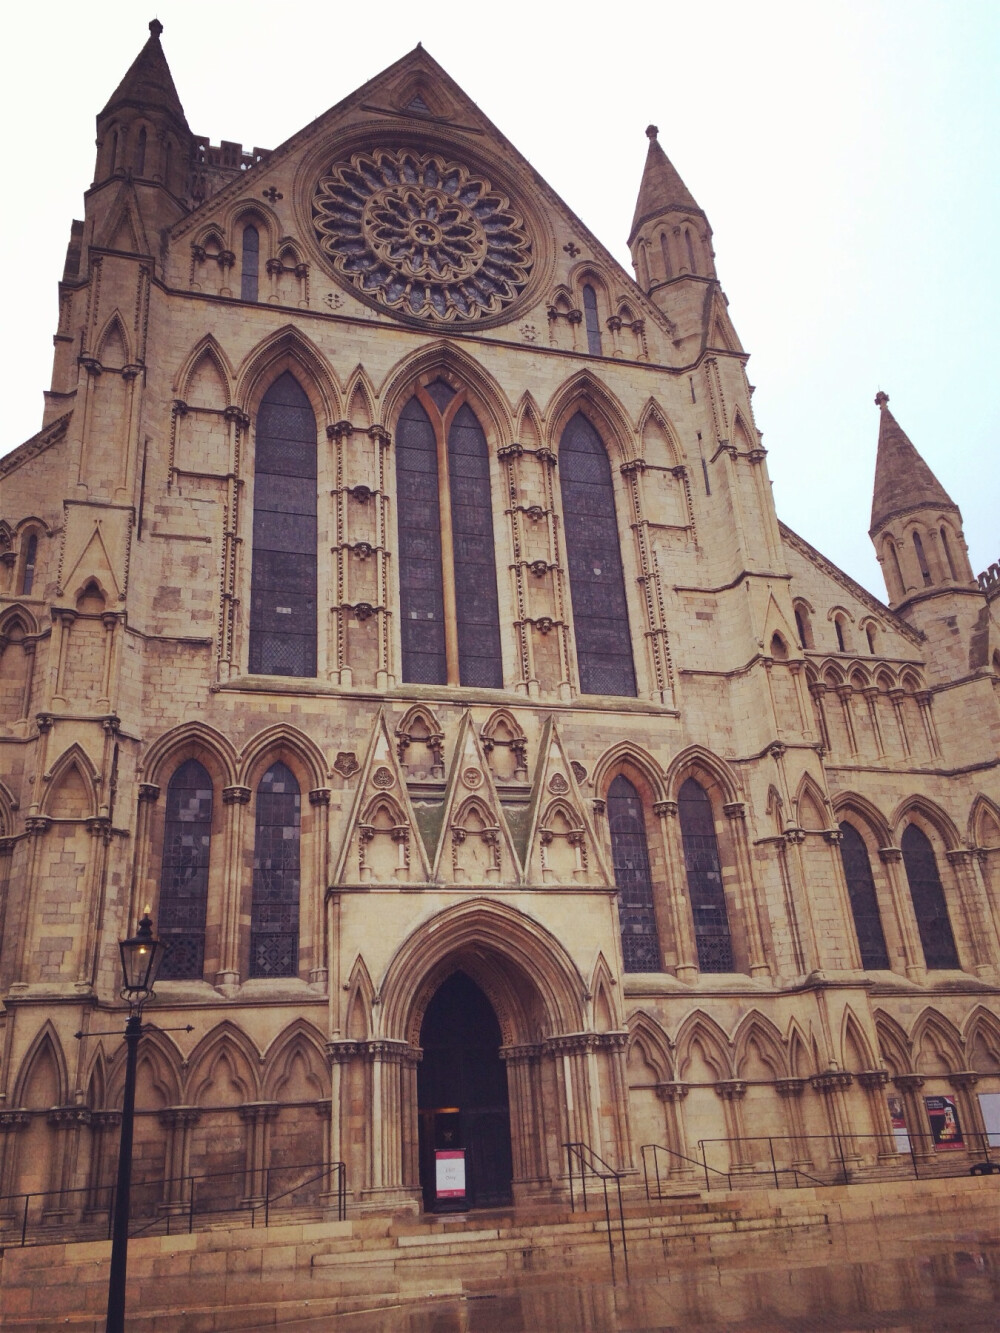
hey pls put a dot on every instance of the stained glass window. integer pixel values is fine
(630, 855)
(929, 904)
(704, 877)
(597, 581)
(274, 909)
(187, 838)
(864, 903)
(592, 321)
(425, 560)
(283, 583)
(249, 272)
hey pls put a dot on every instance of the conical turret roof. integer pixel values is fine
(662, 190)
(903, 481)
(148, 82)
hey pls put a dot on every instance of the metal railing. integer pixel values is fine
(168, 1204)
(790, 1160)
(588, 1161)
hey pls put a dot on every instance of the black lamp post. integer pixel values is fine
(141, 958)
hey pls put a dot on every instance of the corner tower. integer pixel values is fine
(916, 529)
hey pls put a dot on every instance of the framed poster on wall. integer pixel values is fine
(946, 1128)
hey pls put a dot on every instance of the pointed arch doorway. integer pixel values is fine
(462, 1095)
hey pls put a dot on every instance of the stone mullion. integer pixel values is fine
(979, 925)
(238, 423)
(649, 582)
(235, 800)
(892, 859)
(747, 892)
(66, 1121)
(384, 677)
(142, 871)
(681, 920)
(528, 683)
(258, 1115)
(179, 1122)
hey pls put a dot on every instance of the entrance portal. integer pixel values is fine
(462, 1096)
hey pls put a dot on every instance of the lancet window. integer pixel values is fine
(704, 877)
(864, 903)
(187, 839)
(929, 904)
(597, 580)
(30, 560)
(274, 908)
(630, 855)
(449, 610)
(592, 321)
(250, 269)
(283, 581)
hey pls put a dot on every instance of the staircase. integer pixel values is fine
(210, 1281)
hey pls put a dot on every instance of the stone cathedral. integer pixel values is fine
(393, 601)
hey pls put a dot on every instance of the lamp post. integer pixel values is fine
(141, 958)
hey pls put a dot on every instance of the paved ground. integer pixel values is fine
(954, 1289)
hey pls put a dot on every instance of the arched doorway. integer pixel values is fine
(462, 1095)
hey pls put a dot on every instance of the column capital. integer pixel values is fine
(908, 1082)
(790, 1087)
(964, 1078)
(890, 855)
(149, 791)
(665, 809)
(731, 1089)
(236, 795)
(873, 1078)
(832, 1080)
(671, 1092)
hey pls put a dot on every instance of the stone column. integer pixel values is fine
(750, 898)
(892, 859)
(790, 1091)
(67, 1121)
(678, 906)
(104, 1125)
(732, 1091)
(979, 923)
(178, 1121)
(258, 1116)
(671, 1095)
(874, 1082)
(319, 800)
(235, 801)
(11, 1122)
(832, 1084)
(973, 1125)
(917, 1127)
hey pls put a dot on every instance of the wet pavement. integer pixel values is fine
(954, 1289)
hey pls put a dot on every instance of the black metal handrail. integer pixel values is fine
(179, 1201)
(588, 1160)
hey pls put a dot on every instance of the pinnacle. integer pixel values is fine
(903, 481)
(662, 190)
(148, 83)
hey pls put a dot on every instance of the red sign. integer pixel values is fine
(945, 1127)
(449, 1171)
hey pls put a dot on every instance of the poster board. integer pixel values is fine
(449, 1174)
(946, 1128)
(897, 1114)
(989, 1104)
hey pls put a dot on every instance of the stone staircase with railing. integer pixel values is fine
(231, 1279)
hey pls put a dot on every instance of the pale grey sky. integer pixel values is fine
(845, 153)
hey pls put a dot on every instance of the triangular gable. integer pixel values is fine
(775, 622)
(123, 229)
(721, 335)
(562, 847)
(382, 844)
(475, 845)
(93, 562)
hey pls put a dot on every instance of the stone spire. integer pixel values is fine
(662, 191)
(148, 84)
(903, 481)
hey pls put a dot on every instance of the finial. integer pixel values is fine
(156, 27)
(652, 131)
(881, 399)
(420, 46)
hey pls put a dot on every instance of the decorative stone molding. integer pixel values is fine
(236, 795)
(65, 1117)
(832, 1080)
(319, 796)
(731, 1089)
(149, 791)
(671, 1092)
(346, 763)
(665, 808)
(890, 855)
(871, 1079)
(964, 1078)
(13, 1120)
(908, 1082)
(37, 824)
(790, 1087)
(180, 1117)
(735, 810)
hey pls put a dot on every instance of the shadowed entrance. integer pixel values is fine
(462, 1093)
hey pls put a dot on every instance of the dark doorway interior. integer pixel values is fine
(462, 1095)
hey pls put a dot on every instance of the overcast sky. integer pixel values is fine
(846, 155)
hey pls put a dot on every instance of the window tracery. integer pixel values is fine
(704, 877)
(187, 838)
(633, 876)
(596, 576)
(929, 904)
(274, 910)
(449, 609)
(864, 901)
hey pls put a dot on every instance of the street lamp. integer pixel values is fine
(141, 958)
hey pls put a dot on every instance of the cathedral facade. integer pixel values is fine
(393, 600)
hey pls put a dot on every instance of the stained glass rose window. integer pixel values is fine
(427, 237)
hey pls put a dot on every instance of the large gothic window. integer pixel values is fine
(929, 905)
(187, 838)
(704, 877)
(630, 855)
(274, 908)
(597, 581)
(864, 903)
(447, 564)
(283, 583)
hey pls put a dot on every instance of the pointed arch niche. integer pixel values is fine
(283, 583)
(449, 610)
(596, 576)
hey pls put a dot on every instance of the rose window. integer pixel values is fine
(425, 237)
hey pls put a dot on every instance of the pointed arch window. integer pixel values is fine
(864, 902)
(187, 841)
(283, 581)
(592, 321)
(668, 271)
(929, 904)
(140, 152)
(250, 268)
(30, 560)
(704, 876)
(946, 547)
(925, 572)
(447, 560)
(630, 855)
(274, 907)
(596, 577)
